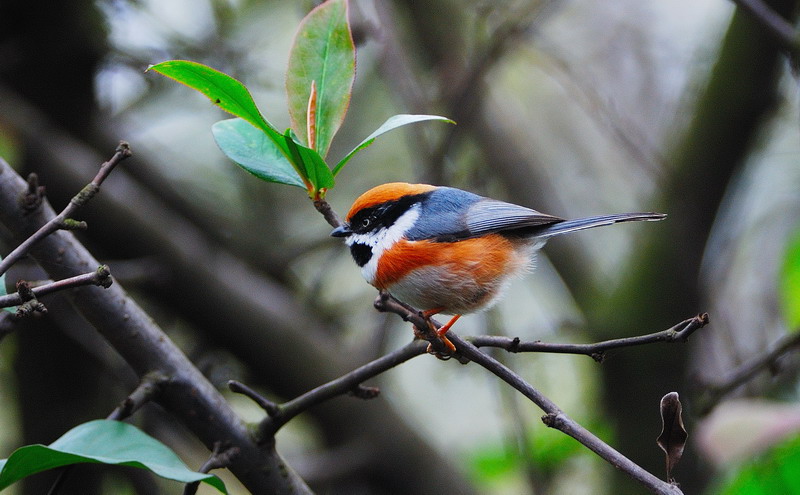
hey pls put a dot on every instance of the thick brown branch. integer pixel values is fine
(187, 395)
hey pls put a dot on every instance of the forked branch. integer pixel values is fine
(63, 220)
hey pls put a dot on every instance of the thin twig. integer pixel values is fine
(100, 277)
(150, 385)
(267, 405)
(62, 221)
(219, 459)
(554, 417)
(327, 212)
(714, 392)
(349, 382)
(678, 333)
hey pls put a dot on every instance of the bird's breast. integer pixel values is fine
(461, 276)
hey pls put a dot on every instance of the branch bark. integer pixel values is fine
(187, 395)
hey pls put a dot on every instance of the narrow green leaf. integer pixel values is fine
(391, 123)
(102, 442)
(790, 283)
(323, 52)
(252, 150)
(312, 163)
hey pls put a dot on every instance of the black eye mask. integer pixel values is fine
(383, 215)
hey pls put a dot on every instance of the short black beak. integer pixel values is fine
(342, 230)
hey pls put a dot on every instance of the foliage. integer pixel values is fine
(546, 450)
(102, 442)
(776, 471)
(790, 283)
(319, 83)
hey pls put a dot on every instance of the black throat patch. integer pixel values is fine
(362, 253)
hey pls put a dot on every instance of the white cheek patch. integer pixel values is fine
(383, 239)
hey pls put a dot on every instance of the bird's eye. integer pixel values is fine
(366, 222)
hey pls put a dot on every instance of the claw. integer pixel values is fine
(440, 333)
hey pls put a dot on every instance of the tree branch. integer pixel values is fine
(100, 277)
(677, 333)
(220, 458)
(327, 212)
(554, 417)
(187, 395)
(250, 315)
(267, 405)
(342, 385)
(149, 387)
(63, 220)
(712, 393)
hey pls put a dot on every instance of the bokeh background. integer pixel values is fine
(572, 107)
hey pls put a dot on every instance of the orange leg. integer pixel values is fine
(442, 331)
(444, 328)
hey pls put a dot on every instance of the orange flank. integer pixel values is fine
(486, 258)
(386, 192)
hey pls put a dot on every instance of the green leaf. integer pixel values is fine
(790, 283)
(102, 442)
(391, 123)
(776, 471)
(313, 165)
(252, 150)
(323, 52)
(223, 91)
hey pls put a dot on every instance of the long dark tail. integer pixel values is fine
(588, 223)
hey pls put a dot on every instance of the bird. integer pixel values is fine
(447, 250)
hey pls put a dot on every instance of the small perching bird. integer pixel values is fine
(445, 250)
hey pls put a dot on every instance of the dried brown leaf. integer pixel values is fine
(673, 435)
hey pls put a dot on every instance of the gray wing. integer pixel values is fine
(444, 218)
(490, 215)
